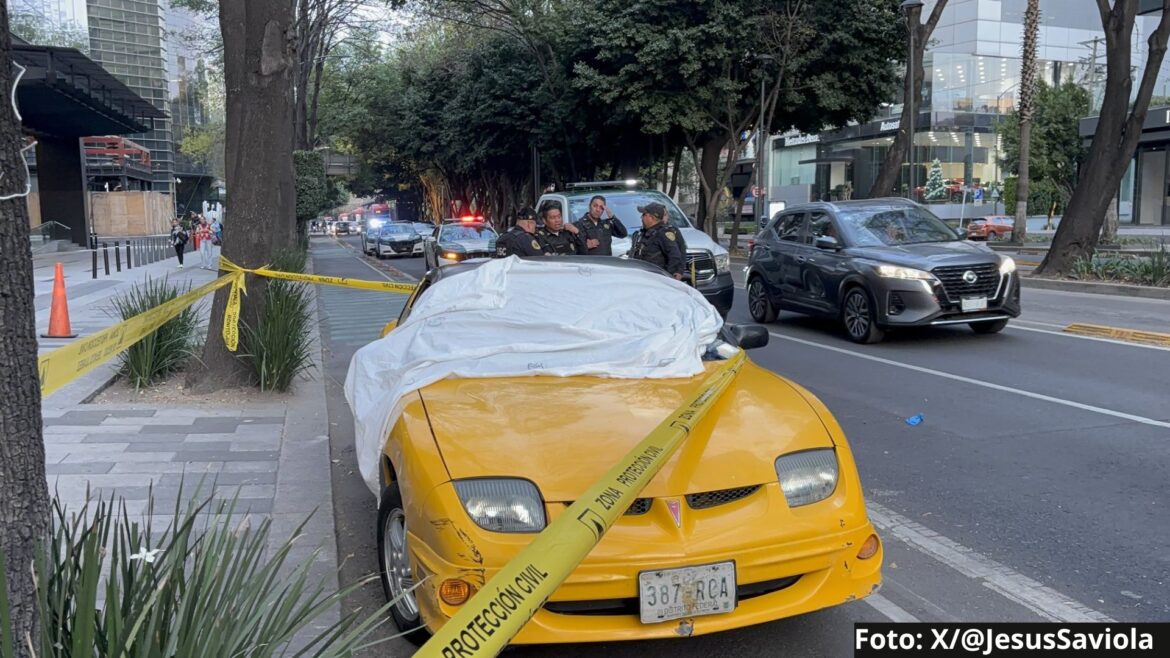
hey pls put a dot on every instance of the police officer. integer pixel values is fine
(562, 240)
(658, 242)
(599, 233)
(521, 239)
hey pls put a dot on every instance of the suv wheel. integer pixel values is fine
(857, 314)
(759, 305)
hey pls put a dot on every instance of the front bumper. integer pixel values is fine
(719, 291)
(904, 303)
(802, 560)
(399, 248)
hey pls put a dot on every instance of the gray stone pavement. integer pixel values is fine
(269, 452)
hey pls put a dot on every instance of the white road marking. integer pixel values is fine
(1095, 338)
(1038, 598)
(890, 609)
(360, 259)
(975, 382)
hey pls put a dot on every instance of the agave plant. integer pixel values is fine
(168, 347)
(278, 346)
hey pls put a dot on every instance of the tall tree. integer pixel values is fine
(24, 493)
(887, 178)
(1119, 128)
(1028, 80)
(1056, 148)
(259, 65)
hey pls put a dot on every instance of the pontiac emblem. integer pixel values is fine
(675, 509)
(970, 277)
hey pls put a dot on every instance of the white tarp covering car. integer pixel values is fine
(511, 317)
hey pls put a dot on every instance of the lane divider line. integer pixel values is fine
(1112, 341)
(1118, 333)
(1038, 598)
(968, 380)
(890, 609)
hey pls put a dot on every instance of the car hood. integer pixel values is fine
(929, 255)
(565, 433)
(695, 239)
(469, 245)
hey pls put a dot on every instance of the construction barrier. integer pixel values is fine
(66, 363)
(486, 623)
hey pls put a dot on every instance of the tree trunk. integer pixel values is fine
(1028, 81)
(708, 177)
(1118, 130)
(259, 67)
(1109, 228)
(887, 178)
(674, 173)
(24, 493)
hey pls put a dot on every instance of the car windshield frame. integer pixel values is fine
(625, 206)
(397, 229)
(893, 226)
(484, 232)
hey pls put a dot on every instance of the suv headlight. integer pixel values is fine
(1007, 265)
(807, 477)
(502, 505)
(898, 272)
(722, 263)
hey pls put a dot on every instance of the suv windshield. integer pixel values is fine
(397, 229)
(889, 225)
(625, 207)
(467, 233)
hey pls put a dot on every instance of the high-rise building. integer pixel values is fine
(127, 37)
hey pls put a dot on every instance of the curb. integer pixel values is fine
(1116, 333)
(1117, 289)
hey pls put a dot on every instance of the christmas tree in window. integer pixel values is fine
(934, 182)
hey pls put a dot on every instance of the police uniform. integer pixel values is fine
(518, 242)
(562, 243)
(604, 231)
(660, 245)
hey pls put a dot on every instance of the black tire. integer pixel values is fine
(857, 317)
(988, 327)
(759, 305)
(405, 613)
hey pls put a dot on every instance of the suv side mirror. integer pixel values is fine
(749, 336)
(828, 242)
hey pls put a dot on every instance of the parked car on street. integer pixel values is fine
(341, 228)
(398, 239)
(707, 259)
(759, 516)
(992, 227)
(457, 240)
(877, 265)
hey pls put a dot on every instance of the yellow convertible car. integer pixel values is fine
(757, 517)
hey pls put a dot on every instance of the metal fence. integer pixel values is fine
(131, 251)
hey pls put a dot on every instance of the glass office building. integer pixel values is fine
(972, 81)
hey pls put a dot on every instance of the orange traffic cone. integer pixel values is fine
(59, 312)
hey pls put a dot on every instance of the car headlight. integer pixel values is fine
(898, 272)
(502, 505)
(722, 263)
(807, 477)
(1007, 265)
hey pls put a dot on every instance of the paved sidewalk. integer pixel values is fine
(270, 450)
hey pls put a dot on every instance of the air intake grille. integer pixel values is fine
(639, 507)
(985, 285)
(716, 498)
(704, 265)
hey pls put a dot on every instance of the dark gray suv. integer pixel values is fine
(876, 265)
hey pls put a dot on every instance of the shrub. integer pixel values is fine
(278, 346)
(109, 587)
(169, 347)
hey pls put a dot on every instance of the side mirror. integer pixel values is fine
(749, 336)
(828, 243)
(389, 327)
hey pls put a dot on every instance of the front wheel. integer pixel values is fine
(394, 563)
(988, 327)
(857, 314)
(760, 307)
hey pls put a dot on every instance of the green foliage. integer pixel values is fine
(170, 346)
(278, 345)
(206, 146)
(1057, 149)
(111, 587)
(1152, 270)
(313, 194)
(33, 29)
(1042, 196)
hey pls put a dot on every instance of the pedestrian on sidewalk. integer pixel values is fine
(178, 240)
(203, 238)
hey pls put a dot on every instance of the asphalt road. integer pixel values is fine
(1035, 490)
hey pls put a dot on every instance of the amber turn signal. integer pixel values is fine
(869, 548)
(454, 592)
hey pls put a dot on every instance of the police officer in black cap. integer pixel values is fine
(562, 239)
(658, 242)
(521, 239)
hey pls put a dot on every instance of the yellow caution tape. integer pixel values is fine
(485, 625)
(73, 360)
(381, 286)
